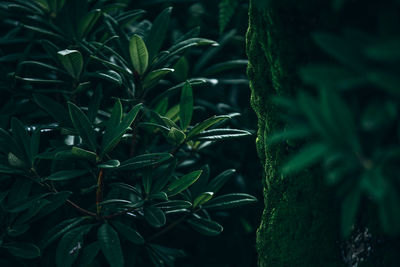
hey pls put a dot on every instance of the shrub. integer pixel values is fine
(101, 143)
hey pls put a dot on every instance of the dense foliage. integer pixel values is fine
(103, 145)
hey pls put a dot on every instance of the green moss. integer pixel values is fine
(299, 223)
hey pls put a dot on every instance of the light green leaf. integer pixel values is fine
(175, 136)
(139, 54)
(110, 164)
(72, 61)
(202, 198)
(221, 134)
(110, 245)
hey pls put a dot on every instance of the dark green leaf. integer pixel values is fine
(183, 183)
(89, 253)
(186, 106)
(202, 198)
(22, 250)
(82, 125)
(158, 31)
(216, 183)
(230, 201)
(65, 175)
(307, 156)
(349, 211)
(153, 77)
(72, 61)
(110, 245)
(154, 216)
(145, 161)
(221, 134)
(110, 164)
(87, 22)
(206, 227)
(129, 233)
(198, 128)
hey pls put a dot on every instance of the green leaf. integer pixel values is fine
(72, 61)
(89, 253)
(198, 128)
(22, 137)
(76, 153)
(202, 198)
(174, 205)
(22, 250)
(128, 187)
(153, 77)
(87, 22)
(110, 245)
(158, 31)
(230, 201)
(307, 156)
(82, 125)
(139, 54)
(116, 129)
(56, 200)
(225, 66)
(296, 132)
(216, 183)
(70, 245)
(109, 75)
(206, 227)
(94, 103)
(129, 233)
(66, 175)
(175, 136)
(145, 161)
(154, 216)
(110, 164)
(186, 106)
(183, 183)
(58, 230)
(221, 134)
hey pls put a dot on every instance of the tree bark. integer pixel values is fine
(300, 222)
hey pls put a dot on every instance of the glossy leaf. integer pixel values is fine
(72, 61)
(230, 201)
(205, 227)
(154, 216)
(202, 198)
(65, 175)
(158, 32)
(216, 183)
(129, 233)
(221, 134)
(183, 183)
(110, 245)
(200, 127)
(145, 161)
(70, 245)
(186, 106)
(82, 125)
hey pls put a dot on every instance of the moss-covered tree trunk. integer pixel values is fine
(300, 222)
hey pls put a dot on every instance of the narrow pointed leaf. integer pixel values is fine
(183, 183)
(198, 128)
(66, 175)
(158, 31)
(230, 201)
(202, 198)
(145, 161)
(216, 183)
(186, 106)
